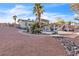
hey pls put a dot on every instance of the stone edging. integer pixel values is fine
(71, 48)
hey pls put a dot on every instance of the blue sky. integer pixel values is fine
(24, 11)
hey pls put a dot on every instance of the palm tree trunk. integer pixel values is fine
(39, 19)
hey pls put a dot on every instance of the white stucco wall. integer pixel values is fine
(22, 24)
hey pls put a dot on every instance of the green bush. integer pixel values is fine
(35, 28)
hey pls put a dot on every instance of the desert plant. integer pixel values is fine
(35, 28)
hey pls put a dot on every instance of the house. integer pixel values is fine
(43, 21)
(76, 26)
(45, 25)
(24, 24)
(54, 28)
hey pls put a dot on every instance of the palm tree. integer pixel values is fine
(14, 18)
(75, 8)
(38, 10)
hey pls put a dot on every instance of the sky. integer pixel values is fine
(25, 11)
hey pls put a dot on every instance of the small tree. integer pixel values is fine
(59, 21)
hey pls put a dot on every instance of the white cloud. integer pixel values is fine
(17, 10)
(52, 16)
(25, 17)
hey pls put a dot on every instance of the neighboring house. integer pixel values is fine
(64, 27)
(76, 26)
(44, 22)
(45, 25)
(24, 24)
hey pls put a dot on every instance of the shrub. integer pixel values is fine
(35, 28)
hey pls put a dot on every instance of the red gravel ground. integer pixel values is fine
(76, 40)
(13, 43)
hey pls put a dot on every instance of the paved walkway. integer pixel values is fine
(14, 43)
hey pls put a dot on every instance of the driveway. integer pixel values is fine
(13, 43)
